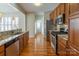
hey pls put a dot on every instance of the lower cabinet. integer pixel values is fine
(21, 38)
(15, 46)
(13, 49)
(23, 41)
(61, 50)
(2, 50)
(72, 51)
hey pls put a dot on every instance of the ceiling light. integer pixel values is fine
(37, 4)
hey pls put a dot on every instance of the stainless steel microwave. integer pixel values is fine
(60, 19)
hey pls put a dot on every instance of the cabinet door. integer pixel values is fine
(21, 45)
(66, 13)
(2, 50)
(62, 10)
(51, 16)
(13, 49)
(61, 47)
(2, 54)
(17, 47)
(58, 10)
(73, 51)
(25, 40)
(74, 32)
(54, 16)
(74, 7)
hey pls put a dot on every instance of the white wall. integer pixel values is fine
(31, 24)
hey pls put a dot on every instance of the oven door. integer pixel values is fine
(53, 41)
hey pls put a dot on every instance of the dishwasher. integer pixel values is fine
(12, 48)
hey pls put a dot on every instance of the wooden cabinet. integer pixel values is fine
(58, 11)
(23, 41)
(74, 7)
(74, 33)
(51, 16)
(66, 13)
(72, 51)
(26, 38)
(74, 30)
(21, 38)
(12, 49)
(2, 50)
(54, 16)
(61, 50)
(15, 46)
(62, 9)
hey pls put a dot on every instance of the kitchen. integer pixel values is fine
(61, 32)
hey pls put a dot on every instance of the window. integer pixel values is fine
(7, 23)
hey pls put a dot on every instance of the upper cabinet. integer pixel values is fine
(54, 16)
(62, 8)
(51, 16)
(58, 10)
(74, 7)
(66, 13)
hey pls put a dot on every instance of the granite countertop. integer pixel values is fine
(4, 41)
(64, 36)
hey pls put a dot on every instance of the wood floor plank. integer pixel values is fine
(38, 46)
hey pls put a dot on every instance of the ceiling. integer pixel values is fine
(45, 7)
(6, 8)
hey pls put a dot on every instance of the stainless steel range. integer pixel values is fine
(54, 39)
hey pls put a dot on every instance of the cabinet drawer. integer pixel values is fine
(2, 54)
(2, 48)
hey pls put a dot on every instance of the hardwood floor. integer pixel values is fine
(38, 46)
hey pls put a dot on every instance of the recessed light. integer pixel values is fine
(37, 4)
